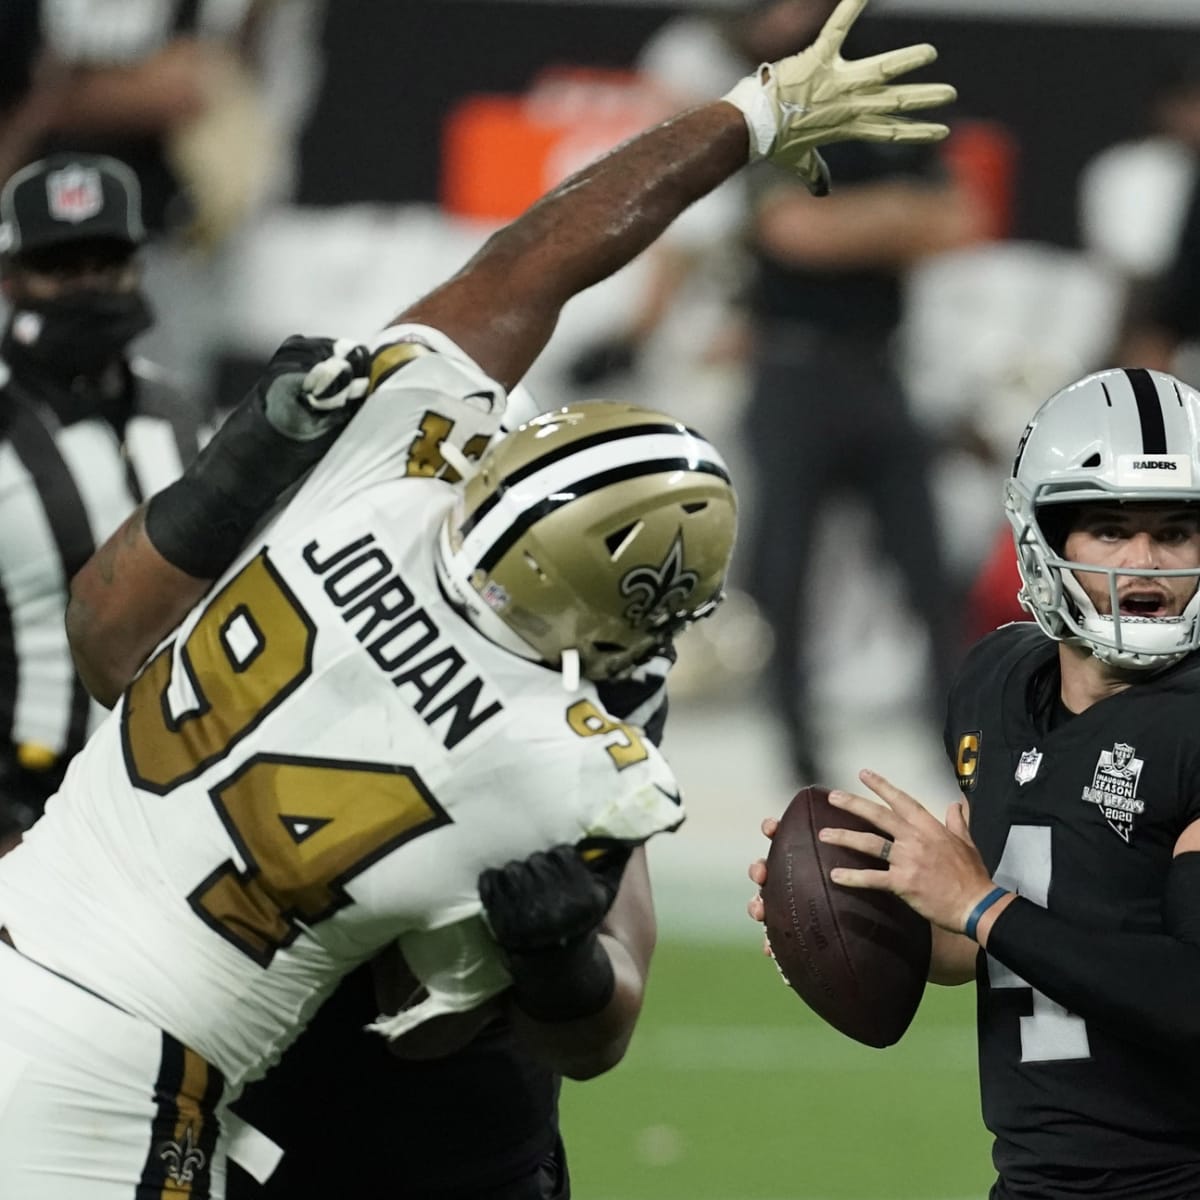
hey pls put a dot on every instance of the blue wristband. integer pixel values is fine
(973, 920)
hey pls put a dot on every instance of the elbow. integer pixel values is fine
(584, 1048)
(596, 1060)
(602, 1041)
(100, 678)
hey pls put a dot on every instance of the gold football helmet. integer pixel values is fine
(599, 530)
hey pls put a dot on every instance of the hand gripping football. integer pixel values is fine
(857, 958)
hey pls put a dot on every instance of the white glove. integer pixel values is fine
(817, 97)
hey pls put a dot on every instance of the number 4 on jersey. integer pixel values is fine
(1051, 1034)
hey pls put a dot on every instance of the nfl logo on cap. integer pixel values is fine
(68, 198)
(74, 193)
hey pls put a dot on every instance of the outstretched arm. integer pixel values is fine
(503, 306)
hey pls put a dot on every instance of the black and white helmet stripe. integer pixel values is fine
(546, 484)
(1150, 412)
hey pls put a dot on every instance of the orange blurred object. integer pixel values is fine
(982, 155)
(502, 153)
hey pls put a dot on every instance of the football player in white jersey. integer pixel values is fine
(384, 692)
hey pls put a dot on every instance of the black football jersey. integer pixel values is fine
(1081, 816)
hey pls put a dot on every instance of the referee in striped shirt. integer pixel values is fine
(86, 432)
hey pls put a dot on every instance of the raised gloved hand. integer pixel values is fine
(545, 913)
(312, 386)
(816, 97)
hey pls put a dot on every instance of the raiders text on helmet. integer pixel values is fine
(1120, 435)
(600, 528)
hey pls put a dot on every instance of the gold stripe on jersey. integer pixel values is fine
(425, 457)
(390, 359)
(185, 1127)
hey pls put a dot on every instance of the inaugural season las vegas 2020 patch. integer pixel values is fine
(1114, 788)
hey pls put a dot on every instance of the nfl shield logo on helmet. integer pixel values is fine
(74, 194)
(1027, 768)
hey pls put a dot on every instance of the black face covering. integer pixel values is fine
(79, 333)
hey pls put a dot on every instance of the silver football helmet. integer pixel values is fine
(590, 535)
(1119, 435)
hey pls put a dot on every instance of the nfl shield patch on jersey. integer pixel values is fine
(1027, 768)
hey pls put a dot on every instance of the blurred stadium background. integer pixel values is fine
(418, 125)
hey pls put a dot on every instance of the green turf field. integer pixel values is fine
(733, 1090)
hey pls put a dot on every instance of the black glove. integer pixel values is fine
(545, 913)
(279, 430)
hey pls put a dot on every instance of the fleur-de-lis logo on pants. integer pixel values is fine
(183, 1159)
(657, 592)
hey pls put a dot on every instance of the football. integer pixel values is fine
(858, 958)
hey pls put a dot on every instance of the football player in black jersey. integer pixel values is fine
(1073, 859)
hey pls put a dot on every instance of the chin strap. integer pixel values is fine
(570, 670)
(455, 458)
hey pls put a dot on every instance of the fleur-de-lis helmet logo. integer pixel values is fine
(183, 1158)
(657, 593)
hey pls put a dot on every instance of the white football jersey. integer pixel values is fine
(323, 760)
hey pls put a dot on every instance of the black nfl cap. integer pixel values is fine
(70, 198)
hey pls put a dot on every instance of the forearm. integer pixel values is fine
(888, 225)
(952, 958)
(125, 599)
(153, 96)
(1141, 987)
(575, 1003)
(588, 1046)
(583, 231)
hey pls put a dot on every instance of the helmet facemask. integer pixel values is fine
(1052, 593)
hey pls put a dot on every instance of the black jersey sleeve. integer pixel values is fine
(1140, 987)
(982, 674)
